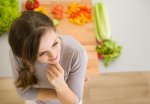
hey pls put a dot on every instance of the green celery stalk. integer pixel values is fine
(96, 24)
(102, 22)
(105, 20)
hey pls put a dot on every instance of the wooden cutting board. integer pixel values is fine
(85, 34)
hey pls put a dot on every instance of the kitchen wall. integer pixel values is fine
(5, 69)
(130, 27)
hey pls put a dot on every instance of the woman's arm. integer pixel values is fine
(56, 78)
(77, 73)
(66, 96)
(46, 94)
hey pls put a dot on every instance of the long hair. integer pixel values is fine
(24, 39)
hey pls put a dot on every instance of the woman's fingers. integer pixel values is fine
(57, 77)
(49, 76)
(58, 66)
(55, 70)
(51, 73)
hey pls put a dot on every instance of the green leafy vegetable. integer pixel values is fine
(109, 50)
(9, 10)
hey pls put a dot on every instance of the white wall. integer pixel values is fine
(5, 69)
(130, 25)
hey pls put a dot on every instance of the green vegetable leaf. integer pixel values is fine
(9, 10)
(109, 50)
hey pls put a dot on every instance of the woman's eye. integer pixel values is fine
(41, 53)
(55, 44)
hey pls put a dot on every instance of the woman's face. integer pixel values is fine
(50, 48)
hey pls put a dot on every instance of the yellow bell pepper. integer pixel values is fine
(41, 9)
(79, 14)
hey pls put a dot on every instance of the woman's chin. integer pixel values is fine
(53, 62)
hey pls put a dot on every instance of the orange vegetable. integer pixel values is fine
(57, 11)
(41, 9)
(79, 14)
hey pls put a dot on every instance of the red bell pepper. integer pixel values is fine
(100, 56)
(32, 4)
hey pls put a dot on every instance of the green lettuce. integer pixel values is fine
(9, 10)
(109, 50)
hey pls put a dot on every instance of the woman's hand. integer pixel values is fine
(55, 76)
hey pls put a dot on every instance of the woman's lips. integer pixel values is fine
(53, 59)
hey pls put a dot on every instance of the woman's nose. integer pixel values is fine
(51, 55)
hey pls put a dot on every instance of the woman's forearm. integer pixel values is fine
(66, 96)
(47, 95)
(55, 77)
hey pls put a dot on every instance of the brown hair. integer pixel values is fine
(24, 39)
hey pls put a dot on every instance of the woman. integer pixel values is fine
(47, 68)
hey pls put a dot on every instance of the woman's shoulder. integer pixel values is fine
(73, 52)
(70, 43)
